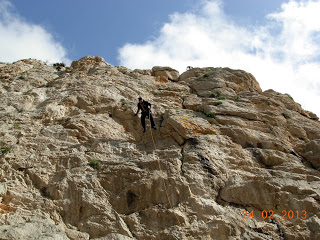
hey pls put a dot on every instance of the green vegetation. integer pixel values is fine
(236, 98)
(221, 97)
(217, 103)
(229, 70)
(215, 94)
(206, 75)
(22, 77)
(286, 115)
(16, 126)
(4, 150)
(218, 96)
(181, 158)
(95, 163)
(211, 115)
(123, 101)
(290, 97)
(268, 103)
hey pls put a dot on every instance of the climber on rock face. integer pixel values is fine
(189, 68)
(145, 108)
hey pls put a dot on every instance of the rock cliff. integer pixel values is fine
(227, 161)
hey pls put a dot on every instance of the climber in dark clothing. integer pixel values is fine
(145, 107)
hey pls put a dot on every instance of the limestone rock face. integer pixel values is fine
(219, 82)
(311, 152)
(166, 72)
(227, 161)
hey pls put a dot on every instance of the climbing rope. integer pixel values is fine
(164, 183)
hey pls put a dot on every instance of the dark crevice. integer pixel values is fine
(249, 145)
(44, 193)
(193, 142)
(161, 119)
(21, 169)
(183, 107)
(182, 161)
(131, 197)
(207, 166)
(257, 155)
(258, 230)
(295, 154)
(303, 160)
(42, 189)
(280, 232)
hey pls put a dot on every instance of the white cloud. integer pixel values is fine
(283, 54)
(20, 39)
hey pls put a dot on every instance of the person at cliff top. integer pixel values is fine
(145, 108)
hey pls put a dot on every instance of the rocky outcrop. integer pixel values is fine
(219, 82)
(165, 73)
(227, 161)
(311, 152)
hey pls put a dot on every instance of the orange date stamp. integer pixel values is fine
(269, 214)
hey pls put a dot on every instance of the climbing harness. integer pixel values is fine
(142, 107)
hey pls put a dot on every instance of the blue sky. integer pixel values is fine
(277, 41)
(101, 27)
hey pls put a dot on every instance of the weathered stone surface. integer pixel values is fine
(75, 164)
(75, 235)
(193, 102)
(114, 236)
(192, 73)
(168, 72)
(31, 225)
(219, 82)
(311, 152)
